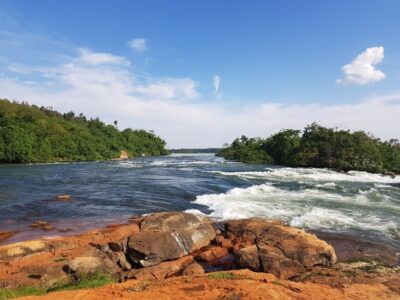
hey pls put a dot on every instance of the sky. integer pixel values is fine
(201, 73)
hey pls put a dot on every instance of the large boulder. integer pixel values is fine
(168, 236)
(272, 247)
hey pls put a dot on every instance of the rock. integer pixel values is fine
(300, 245)
(193, 269)
(64, 197)
(23, 249)
(47, 228)
(88, 264)
(167, 236)
(278, 249)
(63, 230)
(274, 261)
(122, 262)
(390, 174)
(4, 235)
(123, 155)
(39, 223)
(213, 253)
(173, 221)
(161, 271)
(223, 242)
(248, 258)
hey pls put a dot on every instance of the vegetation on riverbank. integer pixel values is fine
(319, 147)
(29, 133)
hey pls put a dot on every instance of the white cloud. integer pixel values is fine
(110, 90)
(362, 69)
(217, 83)
(138, 45)
(97, 58)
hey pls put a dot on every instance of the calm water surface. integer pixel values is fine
(360, 204)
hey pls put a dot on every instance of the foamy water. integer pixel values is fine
(319, 199)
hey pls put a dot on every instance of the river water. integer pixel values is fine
(359, 204)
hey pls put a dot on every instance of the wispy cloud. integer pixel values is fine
(139, 45)
(362, 69)
(217, 84)
(97, 58)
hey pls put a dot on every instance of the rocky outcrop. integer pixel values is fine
(167, 236)
(272, 247)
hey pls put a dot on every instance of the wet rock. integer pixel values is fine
(4, 235)
(167, 236)
(47, 228)
(63, 230)
(193, 269)
(162, 270)
(64, 197)
(389, 174)
(39, 223)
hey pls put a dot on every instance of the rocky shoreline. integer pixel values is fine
(174, 246)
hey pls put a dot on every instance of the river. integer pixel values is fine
(358, 204)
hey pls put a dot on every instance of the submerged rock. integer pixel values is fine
(64, 197)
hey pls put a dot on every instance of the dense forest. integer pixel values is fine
(29, 133)
(319, 147)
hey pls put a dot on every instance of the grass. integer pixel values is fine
(82, 281)
(224, 275)
(21, 292)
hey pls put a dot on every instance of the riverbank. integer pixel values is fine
(151, 251)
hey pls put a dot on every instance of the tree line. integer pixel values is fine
(319, 147)
(29, 133)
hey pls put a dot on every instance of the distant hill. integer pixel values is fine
(319, 147)
(29, 133)
(196, 150)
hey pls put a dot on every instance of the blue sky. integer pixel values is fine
(200, 73)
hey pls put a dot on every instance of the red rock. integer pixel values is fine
(224, 243)
(193, 269)
(213, 253)
(162, 270)
(249, 258)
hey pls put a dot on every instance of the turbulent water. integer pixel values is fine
(357, 203)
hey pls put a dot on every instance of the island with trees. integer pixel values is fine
(29, 133)
(319, 147)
